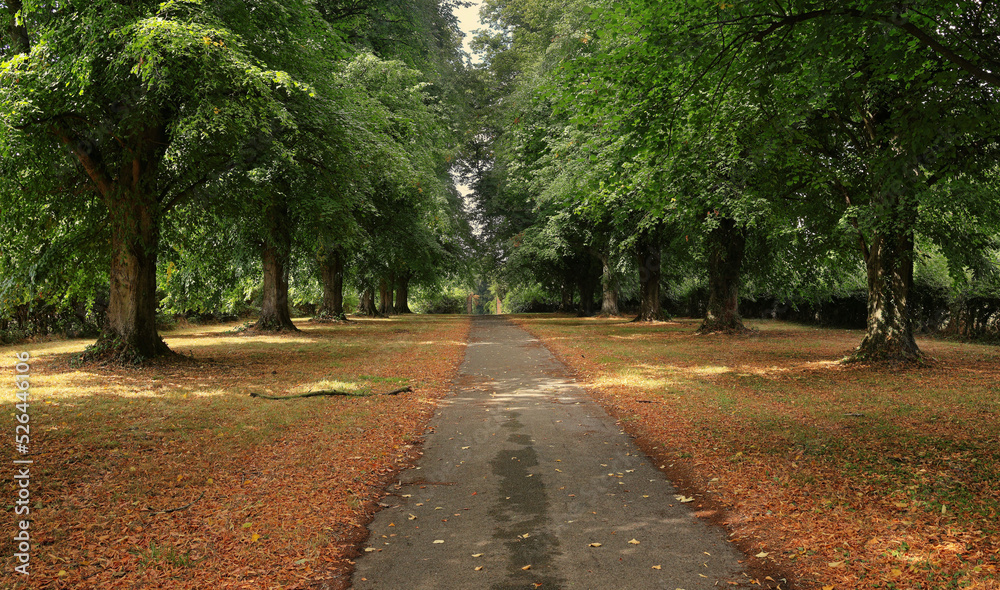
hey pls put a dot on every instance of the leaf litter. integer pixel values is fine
(287, 487)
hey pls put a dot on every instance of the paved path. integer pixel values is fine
(522, 469)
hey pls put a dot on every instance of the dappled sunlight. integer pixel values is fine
(326, 385)
(436, 343)
(786, 424)
(708, 370)
(42, 350)
(633, 381)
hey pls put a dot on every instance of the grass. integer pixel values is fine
(273, 494)
(846, 476)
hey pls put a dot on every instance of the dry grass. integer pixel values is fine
(846, 476)
(280, 489)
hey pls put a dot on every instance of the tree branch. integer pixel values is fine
(895, 21)
(92, 166)
(329, 392)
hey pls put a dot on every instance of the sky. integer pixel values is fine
(468, 20)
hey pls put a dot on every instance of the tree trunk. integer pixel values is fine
(566, 297)
(726, 246)
(609, 287)
(129, 334)
(385, 295)
(403, 294)
(889, 264)
(17, 34)
(332, 270)
(648, 254)
(367, 304)
(274, 314)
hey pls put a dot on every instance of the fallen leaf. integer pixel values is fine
(683, 499)
(412, 517)
(633, 542)
(657, 567)
(477, 554)
(254, 537)
(527, 567)
(835, 564)
(479, 568)
(438, 541)
(762, 554)
(594, 545)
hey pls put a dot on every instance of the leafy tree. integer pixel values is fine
(155, 101)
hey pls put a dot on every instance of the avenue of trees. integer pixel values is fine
(163, 157)
(183, 155)
(795, 148)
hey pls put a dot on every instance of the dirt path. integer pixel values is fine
(522, 476)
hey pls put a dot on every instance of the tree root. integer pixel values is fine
(113, 352)
(725, 328)
(330, 319)
(329, 392)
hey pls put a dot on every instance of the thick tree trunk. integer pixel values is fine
(403, 294)
(129, 335)
(609, 287)
(367, 304)
(331, 267)
(726, 247)
(385, 295)
(648, 255)
(890, 277)
(274, 314)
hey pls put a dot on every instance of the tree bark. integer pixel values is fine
(332, 270)
(17, 34)
(402, 294)
(385, 295)
(648, 256)
(129, 335)
(609, 287)
(889, 264)
(274, 314)
(367, 304)
(726, 247)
